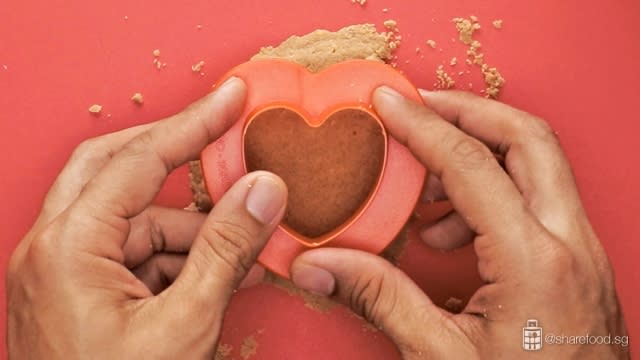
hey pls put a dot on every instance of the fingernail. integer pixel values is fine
(313, 279)
(424, 92)
(266, 199)
(429, 93)
(388, 91)
(229, 81)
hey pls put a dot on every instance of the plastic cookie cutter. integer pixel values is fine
(323, 106)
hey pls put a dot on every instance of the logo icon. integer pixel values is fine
(532, 336)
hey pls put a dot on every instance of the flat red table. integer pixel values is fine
(572, 62)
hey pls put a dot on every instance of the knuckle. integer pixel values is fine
(13, 268)
(469, 154)
(41, 248)
(562, 262)
(189, 110)
(153, 231)
(599, 261)
(533, 126)
(144, 146)
(373, 297)
(90, 150)
(138, 145)
(231, 245)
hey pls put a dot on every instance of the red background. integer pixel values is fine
(572, 62)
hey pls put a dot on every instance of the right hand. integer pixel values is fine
(103, 274)
(537, 251)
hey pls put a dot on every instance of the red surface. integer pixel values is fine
(571, 62)
(316, 97)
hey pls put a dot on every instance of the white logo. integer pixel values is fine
(532, 336)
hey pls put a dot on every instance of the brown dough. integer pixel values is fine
(323, 48)
(330, 170)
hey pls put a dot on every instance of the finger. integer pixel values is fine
(130, 180)
(87, 159)
(226, 248)
(160, 271)
(476, 185)
(159, 229)
(383, 295)
(433, 190)
(533, 156)
(448, 233)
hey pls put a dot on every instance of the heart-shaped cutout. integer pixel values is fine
(332, 166)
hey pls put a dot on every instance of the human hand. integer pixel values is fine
(537, 251)
(91, 279)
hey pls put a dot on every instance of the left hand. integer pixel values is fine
(91, 279)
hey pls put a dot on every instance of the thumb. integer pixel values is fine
(383, 295)
(227, 246)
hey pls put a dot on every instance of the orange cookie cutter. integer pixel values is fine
(315, 97)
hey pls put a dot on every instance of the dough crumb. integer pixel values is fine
(493, 79)
(360, 2)
(444, 80)
(497, 23)
(393, 45)
(431, 43)
(466, 28)
(223, 352)
(395, 42)
(249, 347)
(95, 109)
(137, 98)
(475, 56)
(391, 24)
(156, 60)
(199, 27)
(453, 61)
(393, 36)
(197, 67)
(385, 10)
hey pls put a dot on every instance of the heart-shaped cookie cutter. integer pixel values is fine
(347, 85)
